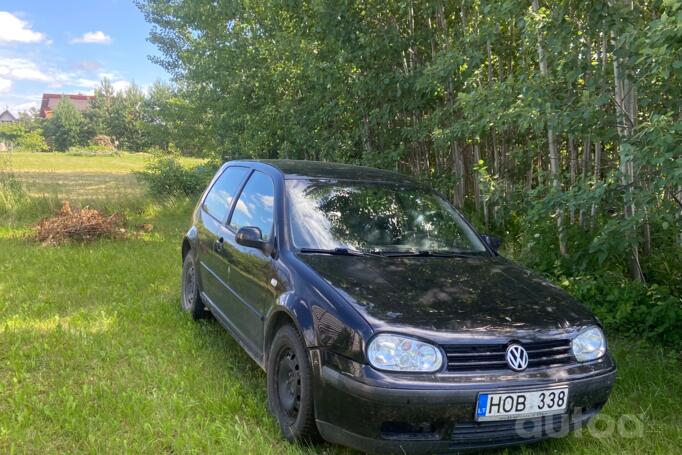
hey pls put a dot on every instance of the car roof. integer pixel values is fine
(304, 169)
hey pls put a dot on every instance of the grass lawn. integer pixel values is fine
(96, 356)
(70, 162)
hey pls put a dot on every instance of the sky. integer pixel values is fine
(68, 46)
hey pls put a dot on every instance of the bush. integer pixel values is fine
(32, 141)
(16, 136)
(166, 177)
(647, 312)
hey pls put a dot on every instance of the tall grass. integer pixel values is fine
(11, 190)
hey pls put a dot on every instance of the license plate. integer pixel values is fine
(518, 405)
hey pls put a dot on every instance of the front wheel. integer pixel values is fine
(191, 301)
(290, 392)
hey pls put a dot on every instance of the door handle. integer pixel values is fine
(218, 245)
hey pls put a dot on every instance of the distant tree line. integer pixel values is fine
(129, 120)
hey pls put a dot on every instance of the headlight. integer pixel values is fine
(399, 353)
(589, 345)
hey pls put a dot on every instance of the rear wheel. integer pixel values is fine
(290, 396)
(190, 299)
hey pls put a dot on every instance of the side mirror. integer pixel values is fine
(492, 241)
(251, 236)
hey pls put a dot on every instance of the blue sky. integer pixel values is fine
(68, 46)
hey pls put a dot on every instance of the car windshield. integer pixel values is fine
(375, 217)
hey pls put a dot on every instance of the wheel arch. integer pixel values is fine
(281, 316)
(189, 241)
(186, 246)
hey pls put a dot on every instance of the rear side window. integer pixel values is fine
(255, 206)
(219, 199)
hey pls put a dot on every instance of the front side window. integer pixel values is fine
(219, 199)
(255, 206)
(376, 217)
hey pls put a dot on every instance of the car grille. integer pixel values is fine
(492, 356)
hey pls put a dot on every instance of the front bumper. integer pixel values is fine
(357, 406)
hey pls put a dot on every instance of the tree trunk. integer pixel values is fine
(597, 177)
(573, 158)
(477, 181)
(679, 201)
(553, 150)
(587, 140)
(626, 106)
(587, 147)
(455, 150)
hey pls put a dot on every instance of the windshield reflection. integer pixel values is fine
(375, 217)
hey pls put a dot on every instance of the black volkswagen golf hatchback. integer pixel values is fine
(384, 321)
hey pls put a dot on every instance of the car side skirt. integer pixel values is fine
(252, 351)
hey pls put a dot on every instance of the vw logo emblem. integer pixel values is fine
(517, 357)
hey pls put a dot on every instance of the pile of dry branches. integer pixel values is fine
(80, 225)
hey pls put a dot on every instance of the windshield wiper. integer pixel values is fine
(335, 251)
(389, 253)
(423, 253)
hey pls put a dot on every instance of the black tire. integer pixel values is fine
(189, 298)
(290, 388)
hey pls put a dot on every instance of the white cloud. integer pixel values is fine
(98, 37)
(5, 85)
(21, 69)
(87, 65)
(29, 74)
(111, 75)
(23, 107)
(13, 29)
(121, 85)
(50, 78)
(90, 84)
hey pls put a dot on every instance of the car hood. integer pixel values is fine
(486, 295)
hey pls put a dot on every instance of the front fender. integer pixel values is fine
(321, 325)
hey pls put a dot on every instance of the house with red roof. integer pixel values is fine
(50, 101)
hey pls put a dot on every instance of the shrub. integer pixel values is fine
(16, 136)
(648, 312)
(166, 177)
(32, 141)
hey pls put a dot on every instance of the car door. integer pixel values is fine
(215, 209)
(251, 269)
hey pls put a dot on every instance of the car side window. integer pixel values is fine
(255, 206)
(219, 198)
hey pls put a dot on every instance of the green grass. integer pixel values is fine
(70, 162)
(96, 356)
(80, 185)
(105, 182)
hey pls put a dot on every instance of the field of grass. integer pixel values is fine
(96, 356)
(73, 162)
